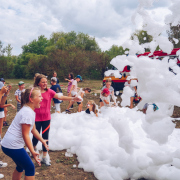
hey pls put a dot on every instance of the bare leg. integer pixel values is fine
(101, 104)
(29, 178)
(1, 125)
(80, 107)
(70, 104)
(16, 175)
(5, 113)
(131, 102)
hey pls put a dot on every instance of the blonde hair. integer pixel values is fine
(27, 94)
(37, 74)
(108, 80)
(91, 102)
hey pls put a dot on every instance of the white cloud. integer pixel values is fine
(108, 21)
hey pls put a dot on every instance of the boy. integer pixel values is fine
(56, 87)
(18, 94)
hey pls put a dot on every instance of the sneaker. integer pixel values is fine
(45, 161)
(71, 107)
(3, 164)
(5, 123)
(1, 176)
(67, 110)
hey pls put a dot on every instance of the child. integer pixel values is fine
(56, 87)
(3, 91)
(5, 108)
(18, 134)
(91, 107)
(43, 115)
(111, 89)
(2, 106)
(55, 75)
(80, 94)
(73, 90)
(106, 98)
(18, 94)
(70, 81)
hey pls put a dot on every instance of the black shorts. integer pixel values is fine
(100, 100)
(78, 103)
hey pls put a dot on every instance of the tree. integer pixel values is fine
(61, 40)
(8, 50)
(36, 46)
(174, 35)
(2, 50)
(142, 36)
(115, 51)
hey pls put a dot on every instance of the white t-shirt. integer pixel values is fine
(13, 138)
(107, 99)
(79, 94)
(75, 85)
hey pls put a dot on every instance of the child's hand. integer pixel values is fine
(4, 89)
(66, 79)
(44, 142)
(13, 106)
(36, 157)
(77, 99)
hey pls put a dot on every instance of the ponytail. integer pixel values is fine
(94, 106)
(27, 94)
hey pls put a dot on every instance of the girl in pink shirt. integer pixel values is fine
(43, 115)
(70, 81)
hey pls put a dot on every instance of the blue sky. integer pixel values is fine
(109, 21)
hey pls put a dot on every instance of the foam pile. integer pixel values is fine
(115, 146)
(124, 143)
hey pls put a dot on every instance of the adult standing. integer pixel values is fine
(43, 116)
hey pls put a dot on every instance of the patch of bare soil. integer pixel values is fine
(62, 168)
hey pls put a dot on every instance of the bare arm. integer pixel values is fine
(113, 97)
(3, 100)
(39, 137)
(17, 98)
(106, 101)
(7, 105)
(68, 80)
(82, 94)
(27, 140)
(2, 91)
(66, 98)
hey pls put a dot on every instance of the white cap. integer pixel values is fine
(54, 79)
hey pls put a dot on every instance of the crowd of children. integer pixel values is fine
(33, 115)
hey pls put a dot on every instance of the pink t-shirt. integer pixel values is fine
(43, 113)
(69, 85)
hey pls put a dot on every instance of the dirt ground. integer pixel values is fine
(62, 168)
